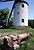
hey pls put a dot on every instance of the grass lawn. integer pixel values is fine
(23, 30)
(29, 44)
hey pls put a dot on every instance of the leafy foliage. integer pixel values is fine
(4, 13)
(10, 24)
(31, 23)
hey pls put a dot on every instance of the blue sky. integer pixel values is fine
(30, 7)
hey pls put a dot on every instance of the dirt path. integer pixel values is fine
(2, 35)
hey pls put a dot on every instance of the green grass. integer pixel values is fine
(29, 44)
(1, 41)
(22, 29)
(6, 30)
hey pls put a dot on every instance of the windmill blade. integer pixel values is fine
(11, 12)
(6, 0)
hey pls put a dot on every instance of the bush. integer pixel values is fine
(10, 24)
(31, 23)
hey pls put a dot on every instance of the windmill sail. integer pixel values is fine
(6, 0)
(11, 12)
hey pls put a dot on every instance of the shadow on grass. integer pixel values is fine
(17, 28)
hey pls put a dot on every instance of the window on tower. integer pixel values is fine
(22, 5)
(17, 12)
(23, 20)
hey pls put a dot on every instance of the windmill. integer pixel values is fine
(20, 12)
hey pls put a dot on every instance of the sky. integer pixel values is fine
(9, 5)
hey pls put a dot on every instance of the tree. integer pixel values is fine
(33, 23)
(4, 16)
(30, 23)
(10, 24)
(4, 13)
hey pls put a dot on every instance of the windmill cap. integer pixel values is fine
(22, 2)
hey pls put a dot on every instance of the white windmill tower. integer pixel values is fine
(20, 13)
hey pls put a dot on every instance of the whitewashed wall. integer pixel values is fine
(23, 14)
